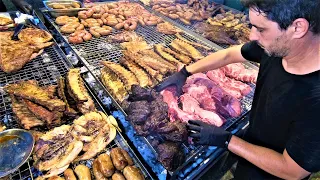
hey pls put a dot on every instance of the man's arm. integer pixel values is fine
(280, 165)
(217, 60)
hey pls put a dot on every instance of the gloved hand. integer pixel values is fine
(23, 6)
(206, 134)
(178, 79)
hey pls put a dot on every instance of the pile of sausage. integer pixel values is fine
(106, 166)
(116, 166)
(100, 19)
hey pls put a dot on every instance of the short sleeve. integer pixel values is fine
(303, 145)
(251, 51)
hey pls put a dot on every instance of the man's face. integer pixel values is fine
(268, 34)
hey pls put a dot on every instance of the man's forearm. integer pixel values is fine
(217, 60)
(264, 158)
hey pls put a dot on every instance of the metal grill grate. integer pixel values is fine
(98, 49)
(45, 69)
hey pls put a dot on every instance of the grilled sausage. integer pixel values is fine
(97, 174)
(105, 165)
(127, 156)
(118, 176)
(119, 26)
(83, 172)
(119, 161)
(69, 175)
(132, 173)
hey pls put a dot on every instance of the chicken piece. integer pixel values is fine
(167, 28)
(34, 36)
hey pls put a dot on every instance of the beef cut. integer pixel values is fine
(239, 72)
(191, 105)
(235, 88)
(202, 95)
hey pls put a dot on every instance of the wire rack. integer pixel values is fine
(45, 69)
(99, 49)
(190, 27)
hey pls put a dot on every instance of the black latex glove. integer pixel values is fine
(23, 6)
(206, 134)
(177, 79)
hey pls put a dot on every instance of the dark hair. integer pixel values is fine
(284, 12)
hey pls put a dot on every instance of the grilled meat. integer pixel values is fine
(181, 57)
(125, 36)
(142, 76)
(31, 91)
(191, 51)
(34, 36)
(135, 46)
(78, 91)
(164, 63)
(15, 54)
(170, 155)
(51, 90)
(139, 60)
(61, 93)
(51, 118)
(192, 43)
(25, 117)
(167, 28)
(160, 50)
(127, 77)
(5, 21)
(113, 84)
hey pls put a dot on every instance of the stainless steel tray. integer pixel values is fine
(63, 12)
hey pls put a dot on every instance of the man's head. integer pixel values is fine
(279, 24)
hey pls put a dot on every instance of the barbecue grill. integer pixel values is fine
(92, 52)
(45, 69)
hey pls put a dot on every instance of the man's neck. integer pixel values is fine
(305, 57)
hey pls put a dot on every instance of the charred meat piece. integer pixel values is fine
(160, 50)
(138, 112)
(26, 118)
(142, 76)
(125, 36)
(139, 94)
(78, 91)
(113, 84)
(181, 57)
(189, 49)
(127, 77)
(140, 130)
(31, 91)
(167, 28)
(170, 155)
(179, 134)
(61, 93)
(51, 118)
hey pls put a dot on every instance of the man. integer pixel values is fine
(283, 139)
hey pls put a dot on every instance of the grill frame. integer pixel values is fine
(94, 68)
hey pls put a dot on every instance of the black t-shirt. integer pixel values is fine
(285, 114)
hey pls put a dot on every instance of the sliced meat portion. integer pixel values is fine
(191, 105)
(239, 72)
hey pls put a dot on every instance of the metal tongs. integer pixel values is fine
(23, 20)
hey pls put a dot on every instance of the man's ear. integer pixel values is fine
(299, 28)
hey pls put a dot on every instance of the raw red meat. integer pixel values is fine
(225, 104)
(191, 106)
(202, 95)
(239, 72)
(174, 112)
(235, 88)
